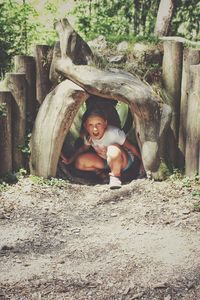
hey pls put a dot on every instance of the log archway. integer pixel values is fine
(56, 114)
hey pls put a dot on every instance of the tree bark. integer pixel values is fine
(164, 16)
(6, 134)
(172, 76)
(190, 57)
(17, 84)
(43, 83)
(26, 65)
(53, 121)
(192, 153)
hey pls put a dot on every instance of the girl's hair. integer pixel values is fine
(91, 113)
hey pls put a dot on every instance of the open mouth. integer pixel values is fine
(95, 134)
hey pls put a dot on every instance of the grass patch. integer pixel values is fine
(48, 182)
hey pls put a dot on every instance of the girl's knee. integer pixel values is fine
(89, 162)
(80, 162)
(114, 152)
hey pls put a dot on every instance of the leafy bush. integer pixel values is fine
(186, 19)
(121, 18)
(3, 110)
(114, 18)
(16, 31)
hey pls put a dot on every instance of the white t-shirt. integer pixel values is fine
(112, 135)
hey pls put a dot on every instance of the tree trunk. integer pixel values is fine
(43, 83)
(53, 121)
(164, 16)
(6, 134)
(192, 153)
(190, 57)
(172, 76)
(17, 84)
(26, 65)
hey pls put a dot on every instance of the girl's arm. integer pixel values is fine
(71, 159)
(132, 148)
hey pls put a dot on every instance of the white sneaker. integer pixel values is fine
(115, 182)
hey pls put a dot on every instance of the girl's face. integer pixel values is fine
(95, 126)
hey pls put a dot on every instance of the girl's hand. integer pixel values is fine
(65, 160)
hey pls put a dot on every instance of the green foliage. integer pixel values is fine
(192, 184)
(186, 19)
(16, 31)
(22, 28)
(124, 19)
(3, 110)
(11, 178)
(197, 206)
(3, 186)
(121, 18)
(26, 148)
(48, 182)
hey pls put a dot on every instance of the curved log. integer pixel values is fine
(53, 121)
(122, 86)
(151, 117)
(144, 104)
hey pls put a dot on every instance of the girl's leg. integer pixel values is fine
(117, 159)
(89, 162)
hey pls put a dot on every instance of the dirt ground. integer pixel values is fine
(88, 242)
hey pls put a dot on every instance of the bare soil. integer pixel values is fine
(88, 242)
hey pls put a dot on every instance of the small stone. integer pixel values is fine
(137, 296)
(76, 230)
(168, 297)
(160, 286)
(61, 262)
(18, 261)
(62, 241)
(27, 265)
(6, 248)
(122, 47)
(176, 224)
(113, 215)
(117, 59)
(186, 211)
(191, 285)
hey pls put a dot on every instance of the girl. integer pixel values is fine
(111, 148)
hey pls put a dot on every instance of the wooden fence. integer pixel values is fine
(30, 83)
(181, 77)
(26, 89)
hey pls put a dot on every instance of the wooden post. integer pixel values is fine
(17, 84)
(5, 134)
(192, 153)
(43, 83)
(172, 74)
(190, 57)
(26, 65)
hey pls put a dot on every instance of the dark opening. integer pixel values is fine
(118, 115)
